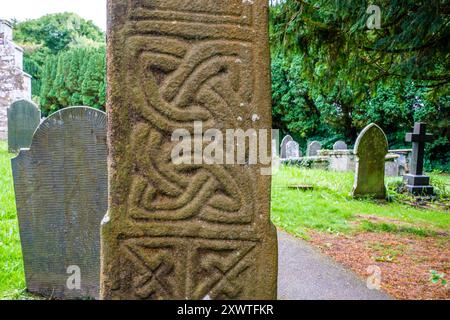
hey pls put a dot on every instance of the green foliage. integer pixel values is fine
(309, 116)
(57, 32)
(293, 110)
(65, 55)
(338, 48)
(34, 58)
(438, 278)
(332, 76)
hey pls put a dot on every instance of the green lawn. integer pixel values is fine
(12, 281)
(328, 208)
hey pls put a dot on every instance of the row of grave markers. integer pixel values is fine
(371, 149)
(290, 149)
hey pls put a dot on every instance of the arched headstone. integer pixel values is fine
(313, 149)
(61, 197)
(340, 145)
(283, 146)
(23, 119)
(371, 149)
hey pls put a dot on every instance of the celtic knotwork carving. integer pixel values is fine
(154, 269)
(176, 83)
(208, 268)
(220, 268)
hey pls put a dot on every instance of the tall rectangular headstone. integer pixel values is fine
(61, 197)
(186, 231)
(23, 119)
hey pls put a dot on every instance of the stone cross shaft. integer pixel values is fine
(179, 231)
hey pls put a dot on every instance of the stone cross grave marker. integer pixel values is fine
(313, 149)
(23, 119)
(371, 149)
(340, 145)
(292, 150)
(416, 182)
(61, 198)
(283, 146)
(185, 231)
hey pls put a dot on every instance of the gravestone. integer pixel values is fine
(186, 231)
(403, 160)
(275, 144)
(274, 148)
(371, 149)
(392, 168)
(340, 145)
(283, 146)
(23, 119)
(340, 160)
(292, 150)
(61, 197)
(313, 149)
(416, 182)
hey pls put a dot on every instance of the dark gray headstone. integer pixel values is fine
(417, 182)
(292, 150)
(340, 145)
(313, 149)
(23, 119)
(275, 153)
(371, 149)
(283, 145)
(61, 197)
(275, 143)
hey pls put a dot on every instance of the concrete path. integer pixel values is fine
(307, 274)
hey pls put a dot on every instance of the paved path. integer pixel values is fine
(307, 274)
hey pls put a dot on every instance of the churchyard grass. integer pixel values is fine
(12, 281)
(329, 206)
